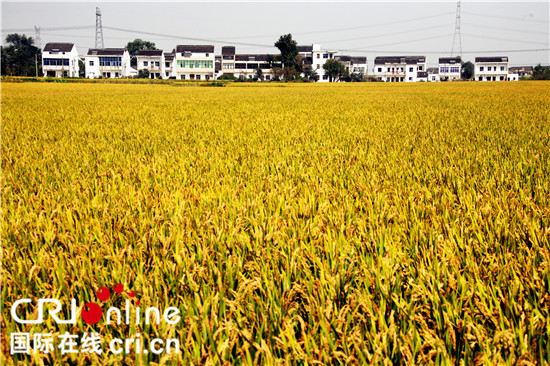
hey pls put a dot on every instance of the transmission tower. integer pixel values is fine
(37, 38)
(98, 30)
(457, 46)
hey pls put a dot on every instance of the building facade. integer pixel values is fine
(491, 69)
(194, 62)
(60, 60)
(400, 68)
(153, 61)
(108, 63)
(450, 68)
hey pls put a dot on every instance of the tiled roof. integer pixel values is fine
(359, 60)
(410, 60)
(492, 59)
(257, 57)
(106, 52)
(150, 52)
(195, 48)
(228, 50)
(449, 60)
(61, 47)
(305, 48)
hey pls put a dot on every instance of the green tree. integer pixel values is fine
(143, 74)
(334, 69)
(137, 45)
(467, 70)
(310, 74)
(81, 69)
(541, 73)
(289, 51)
(19, 57)
(259, 74)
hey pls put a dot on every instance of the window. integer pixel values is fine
(267, 77)
(207, 77)
(318, 66)
(157, 63)
(325, 77)
(379, 69)
(207, 54)
(227, 66)
(186, 54)
(481, 68)
(195, 64)
(91, 63)
(167, 74)
(410, 69)
(420, 68)
(489, 68)
(198, 77)
(227, 57)
(251, 58)
(240, 65)
(502, 78)
(318, 55)
(110, 61)
(56, 62)
(410, 78)
(183, 77)
(167, 64)
(325, 55)
(116, 74)
(502, 68)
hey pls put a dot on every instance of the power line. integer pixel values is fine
(505, 39)
(502, 29)
(186, 38)
(445, 52)
(507, 18)
(79, 27)
(387, 34)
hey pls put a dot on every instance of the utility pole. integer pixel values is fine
(457, 46)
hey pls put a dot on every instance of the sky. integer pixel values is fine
(519, 30)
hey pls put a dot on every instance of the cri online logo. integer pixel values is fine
(91, 312)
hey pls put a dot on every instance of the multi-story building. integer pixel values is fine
(318, 58)
(400, 68)
(246, 66)
(450, 68)
(491, 68)
(194, 62)
(108, 63)
(153, 61)
(354, 65)
(169, 65)
(60, 60)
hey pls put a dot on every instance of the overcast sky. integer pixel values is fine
(519, 30)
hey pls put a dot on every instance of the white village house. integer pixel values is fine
(152, 61)
(491, 69)
(108, 63)
(450, 68)
(194, 62)
(60, 60)
(400, 68)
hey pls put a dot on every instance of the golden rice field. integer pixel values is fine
(346, 224)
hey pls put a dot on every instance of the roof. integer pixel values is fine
(106, 52)
(195, 48)
(492, 59)
(450, 60)
(381, 60)
(359, 60)
(61, 47)
(228, 50)
(421, 74)
(305, 48)
(343, 58)
(150, 52)
(168, 56)
(433, 70)
(521, 68)
(246, 57)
